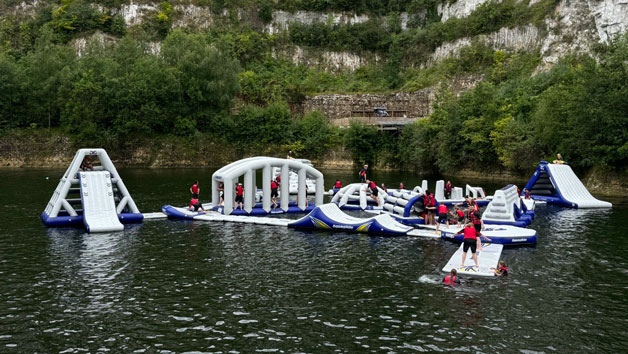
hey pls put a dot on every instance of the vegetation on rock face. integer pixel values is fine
(235, 84)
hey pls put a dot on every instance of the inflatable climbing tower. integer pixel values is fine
(91, 193)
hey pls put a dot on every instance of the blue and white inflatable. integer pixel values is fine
(558, 184)
(92, 196)
(506, 208)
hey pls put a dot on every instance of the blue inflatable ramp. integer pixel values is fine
(99, 207)
(330, 217)
(558, 184)
(487, 258)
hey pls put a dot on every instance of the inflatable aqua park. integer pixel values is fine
(558, 184)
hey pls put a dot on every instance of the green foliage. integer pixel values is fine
(258, 126)
(315, 135)
(363, 142)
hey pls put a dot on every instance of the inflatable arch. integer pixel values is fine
(230, 174)
(99, 191)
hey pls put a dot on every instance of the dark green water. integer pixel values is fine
(173, 286)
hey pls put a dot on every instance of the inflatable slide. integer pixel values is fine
(99, 207)
(558, 184)
(330, 217)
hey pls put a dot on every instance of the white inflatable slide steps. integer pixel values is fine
(99, 207)
(487, 258)
(572, 189)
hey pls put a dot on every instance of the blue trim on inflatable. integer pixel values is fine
(407, 209)
(357, 207)
(258, 211)
(317, 220)
(411, 221)
(506, 241)
(557, 199)
(66, 220)
(519, 223)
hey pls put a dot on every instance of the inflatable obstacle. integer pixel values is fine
(558, 184)
(230, 175)
(293, 178)
(92, 195)
(330, 217)
(500, 234)
(506, 208)
(457, 196)
(185, 214)
(487, 258)
(402, 203)
(357, 196)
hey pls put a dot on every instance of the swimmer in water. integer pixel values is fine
(452, 278)
(502, 270)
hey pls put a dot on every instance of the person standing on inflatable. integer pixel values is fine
(221, 190)
(239, 199)
(470, 241)
(448, 188)
(195, 190)
(362, 173)
(452, 278)
(338, 184)
(559, 159)
(443, 213)
(430, 206)
(273, 193)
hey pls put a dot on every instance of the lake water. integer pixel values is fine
(175, 286)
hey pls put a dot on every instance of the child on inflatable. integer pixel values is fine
(195, 204)
(374, 191)
(443, 214)
(470, 241)
(239, 199)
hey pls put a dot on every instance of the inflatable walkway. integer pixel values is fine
(330, 217)
(487, 258)
(99, 207)
(558, 184)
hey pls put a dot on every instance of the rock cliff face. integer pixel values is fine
(417, 104)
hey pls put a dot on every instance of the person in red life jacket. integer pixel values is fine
(527, 193)
(195, 190)
(383, 187)
(87, 164)
(401, 186)
(470, 241)
(195, 204)
(430, 207)
(502, 270)
(273, 193)
(448, 188)
(476, 219)
(458, 215)
(278, 180)
(452, 278)
(362, 174)
(443, 214)
(338, 184)
(221, 190)
(374, 191)
(239, 199)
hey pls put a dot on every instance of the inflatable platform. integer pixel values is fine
(92, 195)
(558, 184)
(487, 258)
(507, 208)
(499, 234)
(456, 194)
(185, 214)
(330, 217)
